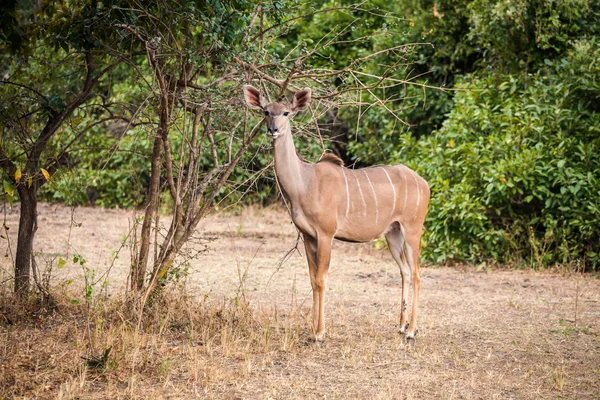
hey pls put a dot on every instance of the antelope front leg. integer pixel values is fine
(323, 258)
(310, 245)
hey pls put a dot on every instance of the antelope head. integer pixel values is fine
(277, 115)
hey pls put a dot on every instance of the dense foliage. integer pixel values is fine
(515, 169)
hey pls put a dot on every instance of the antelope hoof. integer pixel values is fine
(313, 341)
(319, 337)
(411, 339)
(403, 329)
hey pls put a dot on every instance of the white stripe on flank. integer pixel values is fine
(361, 195)
(374, 196)
(347, 193)
(418, 192)
(393, 189)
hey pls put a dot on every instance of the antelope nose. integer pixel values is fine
(272, 130)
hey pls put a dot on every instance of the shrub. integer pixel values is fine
(515, 169)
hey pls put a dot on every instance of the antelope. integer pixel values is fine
(330, 201)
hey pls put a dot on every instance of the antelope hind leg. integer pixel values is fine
(413, 253)
(395, 240)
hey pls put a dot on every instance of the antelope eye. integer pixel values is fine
(285, 114)
(266, 113)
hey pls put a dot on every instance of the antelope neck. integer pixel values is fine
(289, 168)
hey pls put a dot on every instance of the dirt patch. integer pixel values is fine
(500, 334)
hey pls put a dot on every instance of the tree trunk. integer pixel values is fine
(27, 228)
(138, 271)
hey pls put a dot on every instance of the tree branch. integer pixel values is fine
(229, 76)
(4, 82)
(56, 120)
(263, 75)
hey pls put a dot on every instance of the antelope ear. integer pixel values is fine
(301, 99)
(253, 97)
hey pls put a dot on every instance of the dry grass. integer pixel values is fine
(236, 328)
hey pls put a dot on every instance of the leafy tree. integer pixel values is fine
(56, 59)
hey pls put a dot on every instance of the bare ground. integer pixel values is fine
(483, 334)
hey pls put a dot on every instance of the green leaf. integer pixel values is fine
(9, 189)
(61, 263)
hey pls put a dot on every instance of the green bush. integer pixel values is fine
(515, 169)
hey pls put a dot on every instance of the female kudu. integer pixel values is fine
(356, 205)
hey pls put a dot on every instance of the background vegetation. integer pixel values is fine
(501, 116)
